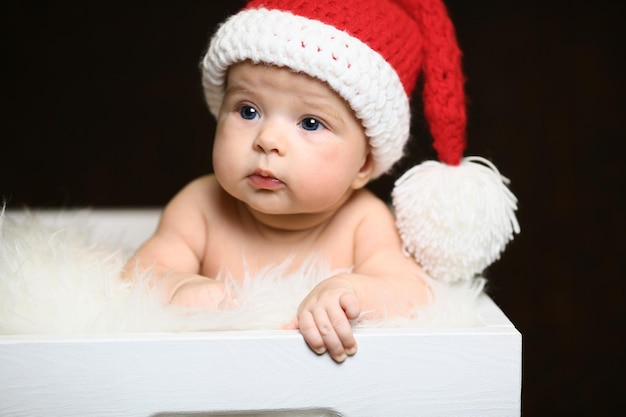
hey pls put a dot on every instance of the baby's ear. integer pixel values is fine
(365, 173)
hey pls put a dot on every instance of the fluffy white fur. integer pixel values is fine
(61, 280)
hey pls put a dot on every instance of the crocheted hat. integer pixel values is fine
(371, 52)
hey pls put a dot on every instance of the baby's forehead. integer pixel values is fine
(256, 72)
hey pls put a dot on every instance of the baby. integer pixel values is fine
(311, 101)
(290, 161)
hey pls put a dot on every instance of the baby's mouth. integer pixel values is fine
(265, 180)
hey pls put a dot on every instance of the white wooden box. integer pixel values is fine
(473, 371)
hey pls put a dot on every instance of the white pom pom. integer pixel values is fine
(454, 220)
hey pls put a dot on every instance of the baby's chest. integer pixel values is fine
(237, 253)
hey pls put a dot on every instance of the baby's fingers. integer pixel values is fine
(328, 331)
(342, 333)
(310, 333)
(292, 325)
(350, 305)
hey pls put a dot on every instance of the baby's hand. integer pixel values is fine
(324, 318)
(200, 291)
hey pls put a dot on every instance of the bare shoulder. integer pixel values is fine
(200, 189)
(376, 234)
(378, 246)
(366, 205)
(180, 238)
(188, 211)
(197, 197)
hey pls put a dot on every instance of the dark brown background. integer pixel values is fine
(102, 107)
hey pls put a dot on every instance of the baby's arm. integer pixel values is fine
(384, 283)
(174, 253)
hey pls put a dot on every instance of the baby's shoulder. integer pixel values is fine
(201, 185)
(365, 201)
(364, 205)
(201, 195)
(202, 190)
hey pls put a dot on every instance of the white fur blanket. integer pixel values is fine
(62, 280)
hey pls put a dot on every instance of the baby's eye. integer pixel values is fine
(310, 123)
(248, 112)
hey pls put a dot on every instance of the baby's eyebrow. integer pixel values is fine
(237, 89)
(320, 106)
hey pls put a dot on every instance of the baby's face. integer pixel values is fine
(286, 143)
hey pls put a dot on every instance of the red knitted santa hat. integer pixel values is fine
(371, 52)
